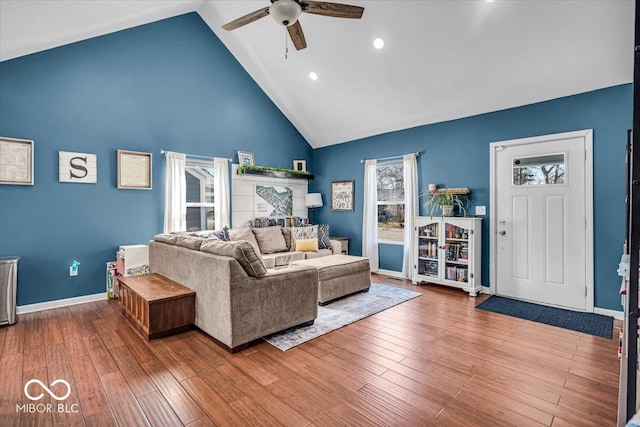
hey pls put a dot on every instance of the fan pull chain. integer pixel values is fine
(286, 44)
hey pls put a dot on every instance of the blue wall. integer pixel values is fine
(170, 84)
(456, 154)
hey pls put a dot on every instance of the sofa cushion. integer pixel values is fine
(243, 251)
(283, 258)
(323, 237)
(306, 232)
(191, 242)
(286, 233)
(270, 239)
(269, 260)
(170, 239)
(307, 245)
(333, 266)
(320, 253)
(244, 233)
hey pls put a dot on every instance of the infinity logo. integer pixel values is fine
(52, 394)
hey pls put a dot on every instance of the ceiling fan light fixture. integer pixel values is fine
(285, 12)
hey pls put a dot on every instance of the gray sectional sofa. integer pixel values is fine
(238, 298)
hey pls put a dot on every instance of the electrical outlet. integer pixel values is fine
(481, 210)
(73, 268)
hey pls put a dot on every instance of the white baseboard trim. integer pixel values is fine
(30, 308)
(391, 273)
(619, 315)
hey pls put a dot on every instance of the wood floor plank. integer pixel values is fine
(11, 388)
(212, 404)
(135, 375)
(157, 410)
(252, 414)
(123, 402)
(58, 367)
(279, 409)
(180, 401)
(93, 400)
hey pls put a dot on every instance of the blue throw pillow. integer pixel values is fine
(323, 237)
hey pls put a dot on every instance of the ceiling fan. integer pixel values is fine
(286, 12)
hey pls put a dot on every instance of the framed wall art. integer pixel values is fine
(134, 170)
(300, 165)
(16, 161)
(246, 158)
(77, 167)
(342, 194)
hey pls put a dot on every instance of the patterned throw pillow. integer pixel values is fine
(323, 237)
(220, 234)
(306, 232)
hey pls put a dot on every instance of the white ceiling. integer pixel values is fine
(442, 59)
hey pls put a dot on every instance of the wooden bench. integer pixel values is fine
(156, 305)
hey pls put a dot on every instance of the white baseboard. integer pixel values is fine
(613, 313)
(30, 308)
(391, 273)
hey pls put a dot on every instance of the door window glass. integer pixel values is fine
(539, 170)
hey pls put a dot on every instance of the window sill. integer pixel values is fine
(390, 242)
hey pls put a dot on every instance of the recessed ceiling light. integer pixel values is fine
(489, 1)
(378, 43)
(313, 76)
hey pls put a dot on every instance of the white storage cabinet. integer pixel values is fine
(448, 251)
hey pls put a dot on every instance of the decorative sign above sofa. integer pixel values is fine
(78, 167)
(273, 201)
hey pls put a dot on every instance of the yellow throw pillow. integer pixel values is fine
(307, 245)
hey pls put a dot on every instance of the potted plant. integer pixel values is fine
(447, 201)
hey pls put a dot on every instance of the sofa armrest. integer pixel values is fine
(336, 247)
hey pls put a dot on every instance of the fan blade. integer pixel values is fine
(297, 36)
(332, 9)
(247, 19)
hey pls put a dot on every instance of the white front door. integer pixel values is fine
(540, 219)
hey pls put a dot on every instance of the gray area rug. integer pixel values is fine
(343, 312)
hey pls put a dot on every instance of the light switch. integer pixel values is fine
(481, 210)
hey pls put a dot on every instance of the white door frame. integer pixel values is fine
(493, 253)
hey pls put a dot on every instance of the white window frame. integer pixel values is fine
(378, 203)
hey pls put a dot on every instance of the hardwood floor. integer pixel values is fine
(434, 360)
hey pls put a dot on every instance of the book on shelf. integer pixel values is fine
(289, 221)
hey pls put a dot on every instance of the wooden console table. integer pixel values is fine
(156, 305)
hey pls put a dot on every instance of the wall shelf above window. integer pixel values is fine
(275, 174)
(459, 190)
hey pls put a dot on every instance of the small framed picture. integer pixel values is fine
(300, 165)
(134, 170)
(16, 161)
(342, 194)
(246, 158)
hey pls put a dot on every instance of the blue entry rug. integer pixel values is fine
(343, 312)
(589, 323)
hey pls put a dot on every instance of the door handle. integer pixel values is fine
(502, 232)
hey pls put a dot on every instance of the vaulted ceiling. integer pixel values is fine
(442, 60)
